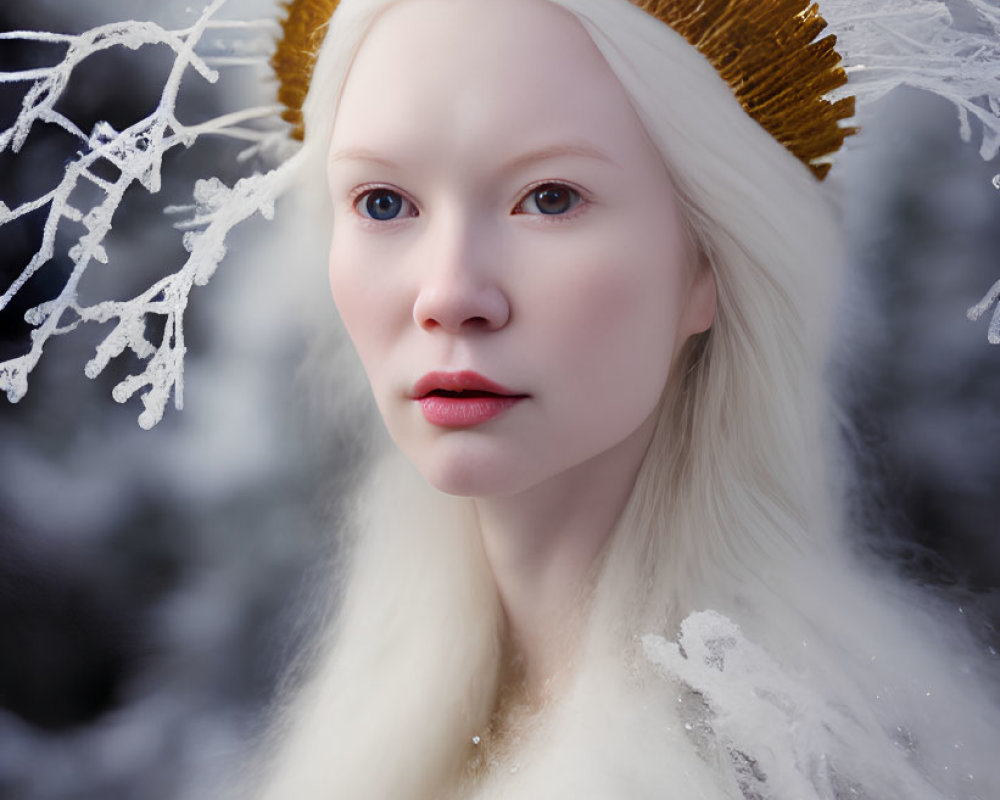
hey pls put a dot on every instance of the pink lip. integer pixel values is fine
(462, 399)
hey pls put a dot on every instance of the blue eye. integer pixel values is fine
(382, 205)
(550, 199)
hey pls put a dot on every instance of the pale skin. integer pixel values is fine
(501, 209)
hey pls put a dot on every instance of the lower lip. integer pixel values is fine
(461, 412)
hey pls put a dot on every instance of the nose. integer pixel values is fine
(458, 291)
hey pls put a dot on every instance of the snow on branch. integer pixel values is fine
(136, 155)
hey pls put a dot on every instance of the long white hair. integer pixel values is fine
(736, 509)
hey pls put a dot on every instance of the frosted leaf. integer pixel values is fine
(770, 732)
(136, 153)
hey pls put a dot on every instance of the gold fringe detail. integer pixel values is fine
(766, 50)
(294, 58)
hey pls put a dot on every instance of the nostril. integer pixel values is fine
(467, 310)
(473, 323)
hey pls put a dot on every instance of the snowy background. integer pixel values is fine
(151, 582)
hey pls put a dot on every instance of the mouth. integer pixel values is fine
(462, 399)
(466, 385)
(463, 394)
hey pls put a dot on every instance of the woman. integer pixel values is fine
(590, 295)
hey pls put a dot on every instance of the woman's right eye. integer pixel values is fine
(383, 205)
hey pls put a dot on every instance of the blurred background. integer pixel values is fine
(152, 583)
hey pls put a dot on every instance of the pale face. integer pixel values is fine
(500, 210)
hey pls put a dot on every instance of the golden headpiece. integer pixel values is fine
(766, 50)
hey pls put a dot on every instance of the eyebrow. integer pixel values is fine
(361, 154)
(580, 149)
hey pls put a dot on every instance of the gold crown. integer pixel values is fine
(766, 50)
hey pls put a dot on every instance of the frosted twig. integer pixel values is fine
(984, 305)
(223, 125)
(38, 36)
(136, 154)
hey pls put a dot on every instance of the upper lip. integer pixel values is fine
(465, 381)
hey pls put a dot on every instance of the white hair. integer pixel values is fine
(734, 509)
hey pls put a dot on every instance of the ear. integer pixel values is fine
(699, 313)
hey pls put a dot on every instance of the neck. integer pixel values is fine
(543, 545)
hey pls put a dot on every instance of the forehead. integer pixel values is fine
(463, 73)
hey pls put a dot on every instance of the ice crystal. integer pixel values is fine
(136, 154)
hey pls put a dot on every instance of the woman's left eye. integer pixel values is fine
(383, 205)
(550, 199)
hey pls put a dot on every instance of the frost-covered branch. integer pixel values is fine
(890, 43)
(136, 155)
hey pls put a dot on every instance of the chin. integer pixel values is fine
(462, 481)
(472, 475)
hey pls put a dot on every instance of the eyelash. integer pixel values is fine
(362, 192)
(580, 201)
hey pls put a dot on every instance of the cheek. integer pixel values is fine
(616, 318)
(367, 302)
